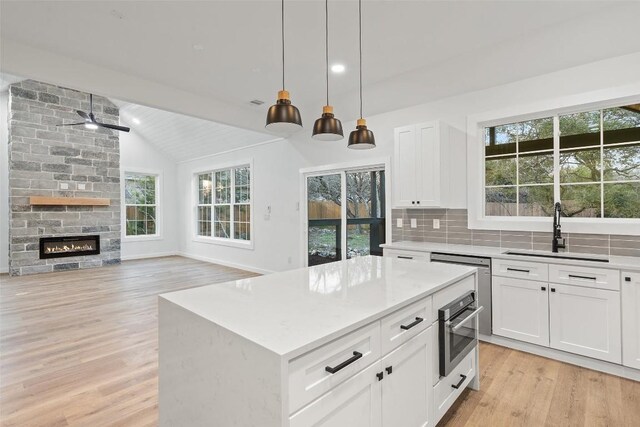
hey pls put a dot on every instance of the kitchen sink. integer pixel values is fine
(557, 255)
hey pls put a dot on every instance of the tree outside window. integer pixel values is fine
(140, 204)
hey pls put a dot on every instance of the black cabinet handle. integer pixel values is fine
(413, 202)
(356, 356)
(553, 289)
(543, 288)
(380, 376)
(412, 324)
(457, 386)
(627, 279)
(519, 270)
(405, 257)
(389, 370)
(573, 276)
(418, 202)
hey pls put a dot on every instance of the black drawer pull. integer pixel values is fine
(542, 288)
(573, 276)
(457, 386)
(356, 356)
(412, 324)
(380, 376)
(553, 289)
(405, 257)
(519, 270)
(389, 370)
(627, 279)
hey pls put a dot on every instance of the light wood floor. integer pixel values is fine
(80, 348)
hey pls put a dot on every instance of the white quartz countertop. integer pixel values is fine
(292, 312)
(615, 262)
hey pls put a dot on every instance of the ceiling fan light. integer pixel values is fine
(361, 138)
(91, 126)
(327, 127)
(283, 116)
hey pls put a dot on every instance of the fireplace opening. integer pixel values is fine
(58, 247)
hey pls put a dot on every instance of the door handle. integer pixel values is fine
(542, 288)
(356, 356)
(465, 320)
(457, 386)
(627, 279)
(412, 324)
(389, 370)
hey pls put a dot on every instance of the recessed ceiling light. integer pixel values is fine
(136, 121)
(198, 46)
(337, 68)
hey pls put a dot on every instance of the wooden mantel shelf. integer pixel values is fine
(68, 201)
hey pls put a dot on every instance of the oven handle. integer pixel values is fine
(465, 320)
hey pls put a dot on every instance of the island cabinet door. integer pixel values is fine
(354, 403)
(631, 319)
(407, 391)
(521, 309)
(586, 321)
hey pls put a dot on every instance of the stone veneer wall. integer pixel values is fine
(42, 157)
(454, 229)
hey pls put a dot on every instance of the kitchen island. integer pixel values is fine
(353, 342)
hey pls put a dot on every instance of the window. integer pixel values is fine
(224, 204)
(141, 204)
(590, 163)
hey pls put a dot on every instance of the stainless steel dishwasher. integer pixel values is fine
(484, 283)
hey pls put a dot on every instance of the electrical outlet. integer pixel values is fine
(436, 224)
(414, 223)
(399, 222)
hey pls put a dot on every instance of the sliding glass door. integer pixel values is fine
(345, 209)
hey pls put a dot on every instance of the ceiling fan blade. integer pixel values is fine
(116, 127)
(71, 124)
(83, 115)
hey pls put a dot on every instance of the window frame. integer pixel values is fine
(158, 199)
(549, 108)
(223, 241)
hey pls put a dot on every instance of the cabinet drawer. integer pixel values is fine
(414, 255)
(445, 393)
(308, 375)
(520, 269)
(590, 277)
(450, 293)
(402, 325)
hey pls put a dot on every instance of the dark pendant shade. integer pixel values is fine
(327, 127)
(283, 116)
(361, 138)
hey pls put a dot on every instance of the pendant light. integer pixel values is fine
(327, 127)
(283, 117)
(361, 138)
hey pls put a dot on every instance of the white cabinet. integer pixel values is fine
(394, 391)
(521, 310)
(424, 169)
(585, 321)
(631, 319)
(356, 402)
(406, 387)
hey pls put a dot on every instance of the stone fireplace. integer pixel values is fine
(47, 162)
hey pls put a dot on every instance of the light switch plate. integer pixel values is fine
(399, 222)
(414, 223)
(436, 224)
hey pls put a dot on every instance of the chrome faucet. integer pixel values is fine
(558, 241)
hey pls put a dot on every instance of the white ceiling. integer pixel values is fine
(182, 137)
(414, 51)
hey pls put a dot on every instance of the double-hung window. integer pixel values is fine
(141, 204)
(224, 204)
(589, 161)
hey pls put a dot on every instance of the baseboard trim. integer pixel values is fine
(562, 356)
(225, 263)
(145, 256)
(4, 270)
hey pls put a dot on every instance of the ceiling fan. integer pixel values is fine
(90, 120)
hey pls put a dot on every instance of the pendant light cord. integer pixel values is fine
(282, 44)
(326, 43)
(360, 31)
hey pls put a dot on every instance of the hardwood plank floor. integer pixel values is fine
(80, 349)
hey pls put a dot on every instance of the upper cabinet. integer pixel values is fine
(424, 174)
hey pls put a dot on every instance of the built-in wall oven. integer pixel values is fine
(457, 330)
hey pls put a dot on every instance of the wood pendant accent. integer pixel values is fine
(68, 201)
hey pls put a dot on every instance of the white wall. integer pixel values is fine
(138, 155)
(4, 183)
(276, 165)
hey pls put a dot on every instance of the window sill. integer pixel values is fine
(622, 226)
(224, 242)
(142, 238)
